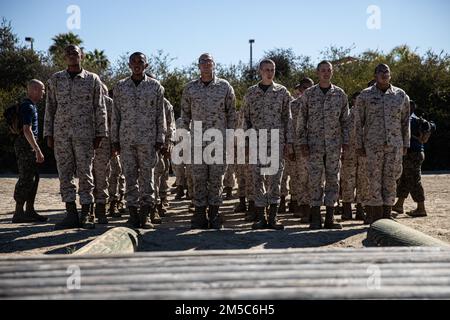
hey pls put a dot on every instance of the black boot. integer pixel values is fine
(387, 212)
(121, 205)
(329, 220)
(162, 211)
(86, 217)
(31, 213)
(261, 221)
(228, 193)
(360, 216)
(215, 220)
(316, 218)
(305, 212)
(100, 213)
(180, 193)
(144, 219)
(282, 207)
(241, 207)
(369, 215)
(71, 220)
(199, 220)
(27, 216)
(133, 221)
(273, 222)
(295, 209)
(377, 213)
(155, 216)
(250, 215)
(114, 211)
(346, 211)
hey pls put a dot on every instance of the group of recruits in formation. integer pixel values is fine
(330, 151)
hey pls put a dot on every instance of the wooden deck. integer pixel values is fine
(369, 273)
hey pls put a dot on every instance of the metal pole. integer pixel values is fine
(251, 41)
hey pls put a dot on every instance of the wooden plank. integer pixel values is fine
(405, 273)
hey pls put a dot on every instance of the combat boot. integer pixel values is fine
(241, 207)
(161, 210)
(228, 193)
(144, 219)
(261, 221)
(27, 216)
(377, 213)
(360, 216)
(346, 211)
(273, 222)
(155, 217)
(316, 218)
(100, 213)
(180, 193)
(113, 210)
(329, 220)
(86, 217)
(295, 209)
(121, 205)
(369, 215)
(250, 215)
(199, 220)
(387, 212)
(30, 213)
(71, 220)
(215, 220)
(282, 207)
(133, 220)
(305, 211)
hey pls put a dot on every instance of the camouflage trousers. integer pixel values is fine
(116, 179)
(320, 162)
(245, 182)
(299, 181)
(101, 172)
(189, 180)
(267, 188)
(27, 185)
(228, 179)
(384, 168)
(162, 176)
(287, 181)
(354, 178)
(180, 174)
(138, 163)
(73, 154)
(411, 181)
(208, 184)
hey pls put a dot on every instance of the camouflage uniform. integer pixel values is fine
(163, 164)
(101, 168)
(116, 179)
(180, 169)
(75, 114)
(299, 181)
(323, 126)
(138, 123)
(214, 106)
(382, 127)
(268, 110)
(228, 179)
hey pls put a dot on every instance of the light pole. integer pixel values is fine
(251, 41)
(31, 40)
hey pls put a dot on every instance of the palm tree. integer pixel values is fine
(98, 59)
(60, 42)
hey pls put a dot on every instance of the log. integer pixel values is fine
(115, 241)
(389, 233)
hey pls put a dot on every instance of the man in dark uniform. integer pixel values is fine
(410, 181)
(28, 154)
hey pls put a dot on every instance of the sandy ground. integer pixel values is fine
(174, 234)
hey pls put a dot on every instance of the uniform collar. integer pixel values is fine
(332, 89)
(82, 74)
(390, 90)
(273, 87)
(213, 81)
(131, 82)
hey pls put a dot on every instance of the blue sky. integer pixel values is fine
(184, 29)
